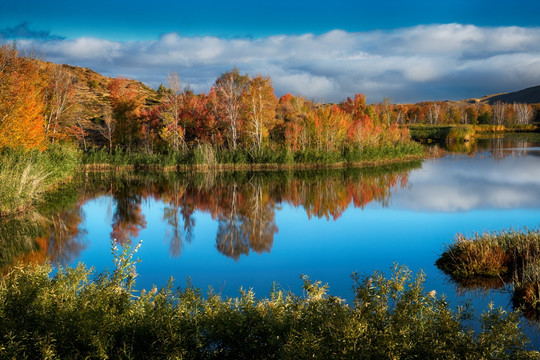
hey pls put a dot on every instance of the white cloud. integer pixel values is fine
(446, 185)
(427, 62)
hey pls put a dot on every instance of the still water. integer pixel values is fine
(251, 229)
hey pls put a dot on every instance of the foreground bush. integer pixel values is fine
(77, 315)
(26, 175)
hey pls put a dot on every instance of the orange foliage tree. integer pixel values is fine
(21, 105)
(126, 104)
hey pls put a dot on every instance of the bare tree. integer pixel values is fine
(433, 113)
(524, 113)
(80, 123)
(109, 125)
(59, 95)
(499, 113)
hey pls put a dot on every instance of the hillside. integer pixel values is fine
(526, 96)
(91, 92)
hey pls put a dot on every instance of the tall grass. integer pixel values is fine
(442, 133)
(26, 175)
(205, 154)
(76, 314)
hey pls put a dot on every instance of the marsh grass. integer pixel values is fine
(26, 175)
(442, 133)
(207, 156)
(78, 314)
(511, 256)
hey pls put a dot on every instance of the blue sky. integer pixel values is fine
(408, 51)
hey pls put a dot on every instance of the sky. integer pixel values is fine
(326, 51)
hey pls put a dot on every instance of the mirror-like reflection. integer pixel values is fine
(243, 204)
(54, 231)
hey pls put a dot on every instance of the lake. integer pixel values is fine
(230, 230)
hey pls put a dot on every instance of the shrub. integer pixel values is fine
(77, 315)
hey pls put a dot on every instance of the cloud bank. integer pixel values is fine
(23, 31)
(428, 62)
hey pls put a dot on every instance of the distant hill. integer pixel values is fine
(526, 96)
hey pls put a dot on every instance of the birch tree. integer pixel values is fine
(59, 95)
(262, 105)
(498, 115)
(231, 87)
(524, 113)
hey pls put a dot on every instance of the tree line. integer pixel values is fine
(39, 106)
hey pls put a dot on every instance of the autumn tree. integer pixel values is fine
(173, 132)
(293, 110)
(151, 122)
(328, 128)
(21, 101)
(126, 104)
(262, 104)
(230, 88)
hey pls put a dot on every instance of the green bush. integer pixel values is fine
(77, 315)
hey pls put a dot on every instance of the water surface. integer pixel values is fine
(251, 229)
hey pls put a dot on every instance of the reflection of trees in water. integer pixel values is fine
(18, 237)
(65, 241)
(230, 238)
(175, 213)
(330, 197)
(260, 224)
(244, 205)
(517, 145)
(128, 218)
(37, 237)
(247, 221)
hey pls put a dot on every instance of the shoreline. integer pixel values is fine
(249, 167)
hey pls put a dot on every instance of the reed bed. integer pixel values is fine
(26, 175)
(512, 256)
